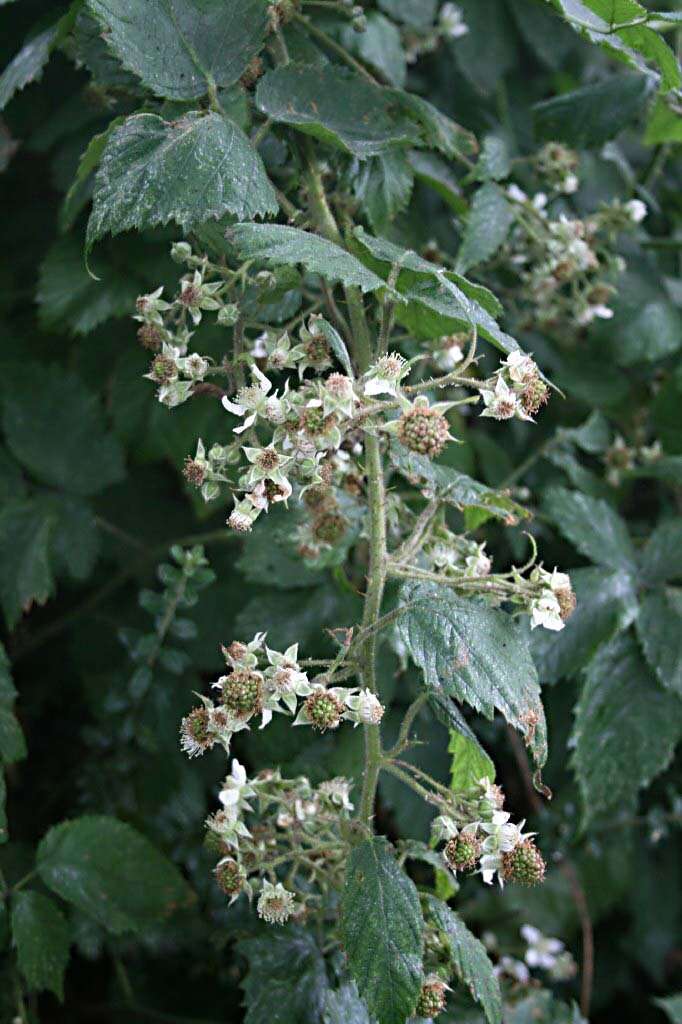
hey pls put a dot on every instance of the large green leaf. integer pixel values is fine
(469, 959)
(337, 107)
(287, 981)
(25, 574)
(661, 558)
(27, 66)
(178, 47)
(659, 628)
(111, 872)
(437, 130)
(488, 223)
(12, 742)
(54, 426)
(381, 927)
(344, 1006)
(477, 654)
(189, 171)
(281, 245)
(469, 763)
(42, 938)
(594, 114)
(592, 527)
(379, 46)
(606, 604)
(626, 728)
(383, 184)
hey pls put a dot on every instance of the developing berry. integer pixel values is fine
(534, 396)
(423, 430)
(194, 735)
(194, 472)
(329, 527)
(243, 692)
(163, 369)
(524, 864)
(462, 852)
(150, 336)
(229, 876)
(432, 998)
(323, 710)
(567, 601)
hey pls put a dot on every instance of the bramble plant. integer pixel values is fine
(392, 361)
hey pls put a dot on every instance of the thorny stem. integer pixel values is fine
(430, 798)
(402, 741)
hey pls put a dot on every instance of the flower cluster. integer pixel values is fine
(554, 601)
(491, 841)
(621, 458)
(517, 390)
(456, 554)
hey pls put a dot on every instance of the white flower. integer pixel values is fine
(545, 610)
(275, 903)
(365, 708)
(478, 563)
(636, 210)
(516, 194)
(542, 951)
(451, 21)
(501, 403)
(384, 377)
(236, 788)
(520, 367)
(502, 837)
(513, 969)
(338, 792)
(590, 313)
(250, 400)
(570, 184)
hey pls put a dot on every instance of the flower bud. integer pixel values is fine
(228, 315)
(181, 252)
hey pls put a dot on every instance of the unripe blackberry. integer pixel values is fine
(312, 420)
(319, 497)
(462, 852)
(324, 710)
(229, 876)
(534, 396)
(423, 430)
(524, 864)
(195, 737)
(243, 692)
(194, 472)
(163, 369)
(150, 336)
(317, 349)
(432, 999)
(329, 527)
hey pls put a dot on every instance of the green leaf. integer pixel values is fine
(379, 46)
(111, 872)
(42, 938)
(469, 763)
(626, 728)
(661, 558)
(54, 426)
(594, 114)
(416, 13)
(489, 220)
(469, 959)
(383, 185)
(344, 1006)
(592, 527)
(178, 47)
(648, 333)
(12, 742)
(672, 1006)
(269, 553)
(437, 130)
(664, 124)
(381, 928)
(189, 171)
(477, 654)
(80, 190)
(488, 49)
(638, 45)
(606, 604)
(280, 245)
(69, 298)
(337, 107)
(25, 576)
(454, 487)
(494, 162)
(287, 981)
(434, 172)
(8, 690)
(336, 344)
(659, 628)
(28, 65)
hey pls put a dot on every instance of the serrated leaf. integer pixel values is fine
(664, 124)
(626, 728)
(453, 487)
(438, 131)
(110, 871)
(54, 426)
(470, 960)
(42, 938)
(469, 763)
(606, 604)
(592, 527)
(344, 1006)
(28, 65)
(661, 557)
(80, 191)
(379, 46)
(25, 574)
(494, 162)
(477, 654)
(193, 43)
(592, 115)
(190, 170)
(435, 172)
(381, 928)
(383, 184)
(12, 742)
(659, 628)
(488, 223)
(280, 245)
(287, 981)
(337, 107)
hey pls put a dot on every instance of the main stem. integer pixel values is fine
(363, 352)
